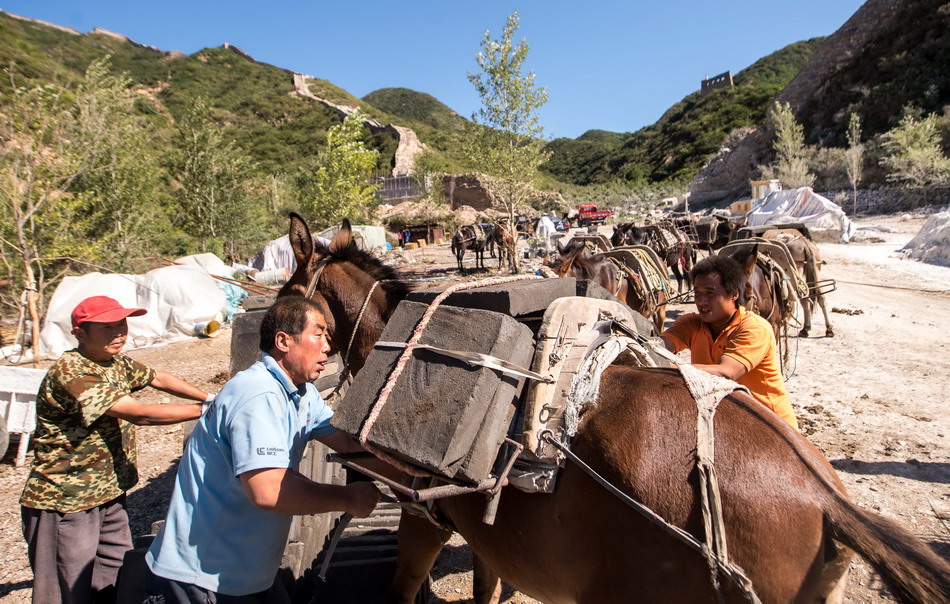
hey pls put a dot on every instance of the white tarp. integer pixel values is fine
(800, 205)
(279, 254)
(177, 298)
(367, 237)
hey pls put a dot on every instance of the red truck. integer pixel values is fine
(588, 214)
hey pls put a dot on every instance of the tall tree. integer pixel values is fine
(52, 149)
(791, 165)
(854, 158)
(122, 203)
(913, 154)
(216, 178)
(506, 136)
(337, 185)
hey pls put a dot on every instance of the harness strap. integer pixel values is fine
(729, 569)
(312, 286)
(476, 359)
(345, 374)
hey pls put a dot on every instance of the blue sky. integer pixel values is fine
(607, 64)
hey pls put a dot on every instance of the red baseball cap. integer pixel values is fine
(102, 309)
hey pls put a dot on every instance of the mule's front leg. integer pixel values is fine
(420, 542)
(486, 588)
(829, 331)
(806, 310)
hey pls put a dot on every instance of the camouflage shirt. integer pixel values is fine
(83, 457)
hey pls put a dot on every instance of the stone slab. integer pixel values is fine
(440, 406)
(513, 299)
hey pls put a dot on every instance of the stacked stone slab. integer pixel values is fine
(442, 415)
(518, 299)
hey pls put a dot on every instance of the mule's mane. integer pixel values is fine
(373, 266)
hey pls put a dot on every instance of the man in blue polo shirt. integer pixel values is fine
(238, 488)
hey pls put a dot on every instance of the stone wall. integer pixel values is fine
(889, 200)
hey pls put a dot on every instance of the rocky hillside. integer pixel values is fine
(890, 56)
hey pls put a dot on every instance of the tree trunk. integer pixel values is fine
(31, 294)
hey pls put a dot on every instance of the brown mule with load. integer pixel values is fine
(608, 500)
(634, 274)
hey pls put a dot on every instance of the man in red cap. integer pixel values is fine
(73, 505)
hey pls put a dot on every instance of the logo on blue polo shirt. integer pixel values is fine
(270, 451)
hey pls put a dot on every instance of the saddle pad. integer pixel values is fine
(566, 333)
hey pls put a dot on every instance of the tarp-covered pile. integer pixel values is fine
(800, 205)
(177, 298)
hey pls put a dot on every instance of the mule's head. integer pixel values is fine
(756, 296)
(340, 277)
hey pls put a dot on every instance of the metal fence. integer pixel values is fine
(404, 186)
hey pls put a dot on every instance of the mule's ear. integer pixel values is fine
(344, 238)
(300, 239)
(750, 261)
(558, 245)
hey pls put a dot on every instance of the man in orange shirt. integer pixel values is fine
(727, 340)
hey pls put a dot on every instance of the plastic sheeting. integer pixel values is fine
(233, 294)
(279, 254)
(801, 205)
(176, 297)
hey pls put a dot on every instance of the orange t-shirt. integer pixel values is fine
(748, 339)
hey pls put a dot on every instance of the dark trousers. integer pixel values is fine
(159, 590)
(76, 556)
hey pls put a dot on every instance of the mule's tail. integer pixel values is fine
(910, 569)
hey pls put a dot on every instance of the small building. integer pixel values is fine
(430, 233)
(723, 80)
(743, 206)
(762, 188)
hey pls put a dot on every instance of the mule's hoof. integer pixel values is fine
(829, 333)
(803, 333)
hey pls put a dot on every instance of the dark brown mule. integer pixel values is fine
(782, 502)
(472, 237)
(763, 287)
(628, 233)
(575, 260)
(674, 249)
(506, 244)
(713, 232)
(807, 260)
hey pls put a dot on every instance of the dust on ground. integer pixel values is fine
(872, 398)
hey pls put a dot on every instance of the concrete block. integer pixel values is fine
(245, 340)
(440, 406)
(513, 299)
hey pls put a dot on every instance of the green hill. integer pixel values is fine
(251, 100)
(415, 106)
(681, 141)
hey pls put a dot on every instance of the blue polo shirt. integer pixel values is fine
(213, 536)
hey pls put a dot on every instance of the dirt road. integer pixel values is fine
(872, 398)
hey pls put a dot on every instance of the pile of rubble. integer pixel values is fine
(932, 242)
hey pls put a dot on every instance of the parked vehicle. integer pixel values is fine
(587, 215)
